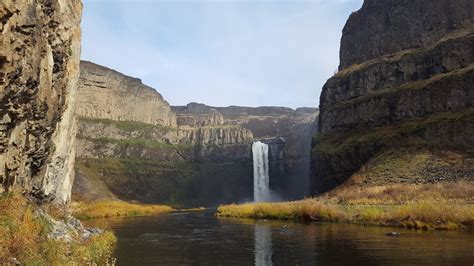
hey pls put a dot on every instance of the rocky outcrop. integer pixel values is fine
(406, 76)
(108, 94)
(39, 66)
(197, 115)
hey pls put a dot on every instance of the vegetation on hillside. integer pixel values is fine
(127, 125)
(142, 143)
(443, 206)
(106, 209)
(165, 182)
(395, 57)
(24, 238)
(389, 135)
(394, 93)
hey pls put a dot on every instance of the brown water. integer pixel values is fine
(202, 239)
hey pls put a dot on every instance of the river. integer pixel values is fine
(200, 238)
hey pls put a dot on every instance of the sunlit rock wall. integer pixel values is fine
(39, 68)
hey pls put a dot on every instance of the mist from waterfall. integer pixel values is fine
(261, 178)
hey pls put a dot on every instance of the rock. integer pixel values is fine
(69, 229)
(386, 27)
(198, 115)
(39, 68)
(393, 234)
(90, 232)
(405, 85)
(107, 94)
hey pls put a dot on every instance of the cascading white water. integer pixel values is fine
(261, 179)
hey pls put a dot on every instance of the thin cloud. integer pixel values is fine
(220, 52)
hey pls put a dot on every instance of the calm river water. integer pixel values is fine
(200, 238)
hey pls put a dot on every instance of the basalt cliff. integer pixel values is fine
(132, 145)
(39, 68)
(400, 109)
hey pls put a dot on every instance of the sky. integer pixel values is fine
(221, 53)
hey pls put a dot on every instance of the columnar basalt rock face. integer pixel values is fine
(197, 115)
(207, 142)
(108, 94)
(39, 66)
(200, 120)
(386, 27)
(406, 66)
(191, 166)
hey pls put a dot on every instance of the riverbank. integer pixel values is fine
(444, 206)
(48, 235)
(201, 238)
(106, 209)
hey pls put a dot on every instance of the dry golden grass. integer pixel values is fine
(286, 210)
(306, 209)
(24, 238)
(449, 192)
(437, 206)
(106, 209)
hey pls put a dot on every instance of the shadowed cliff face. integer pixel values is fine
(404, 90)
(202, 156)
(39, 67)
(386, 27)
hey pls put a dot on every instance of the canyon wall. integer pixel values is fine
(132, 146)
(380, 28)
(39, 68)
(108, 94)
(400, 109)
(288, 133)
(201, 156)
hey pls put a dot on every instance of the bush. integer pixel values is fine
(24, 238)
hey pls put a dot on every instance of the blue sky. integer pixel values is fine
(250, 53)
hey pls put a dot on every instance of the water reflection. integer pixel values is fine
(202, 239)
(263, 245)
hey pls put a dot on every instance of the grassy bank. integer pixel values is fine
(439, 206)
(24, 238)
(106, 209)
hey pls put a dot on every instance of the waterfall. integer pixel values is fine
(261, 179)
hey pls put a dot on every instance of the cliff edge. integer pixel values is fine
(107, 94)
